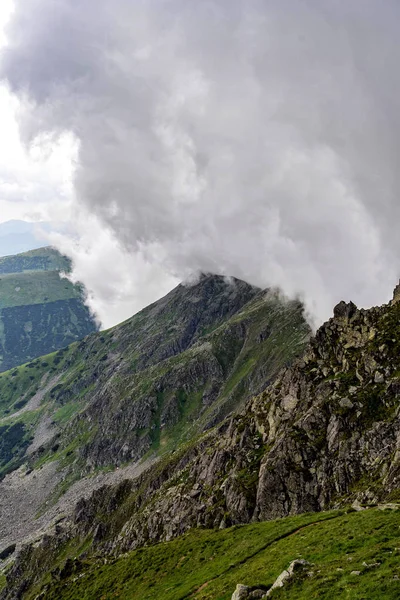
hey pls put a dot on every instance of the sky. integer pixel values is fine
(31, 179)
(254, 138)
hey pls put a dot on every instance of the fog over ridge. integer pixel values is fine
(252, 138)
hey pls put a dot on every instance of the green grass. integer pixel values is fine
(19, 384)
(207, 565)
(64, 414)
(37, 287)
(39, 310)
(40, 259)
(2, 581)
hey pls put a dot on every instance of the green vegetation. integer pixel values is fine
(18, 387)
(40, 259)
(35, 287)
(64, 414)
(39, 310)
(207, 565)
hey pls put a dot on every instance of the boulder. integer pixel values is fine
(344, 310)
(241, 592)
(287, 574)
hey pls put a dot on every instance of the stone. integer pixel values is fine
(355, 573)
(287, 574)
(289, 402)
(256, 594)
(357, 506)
(396, 294)
(346, 403)
(344, 310)
(371, 565)
(241, 592)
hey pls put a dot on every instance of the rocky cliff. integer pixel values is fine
(323, 434)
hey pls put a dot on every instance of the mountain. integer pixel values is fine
(21, 236)
(129, 396)
(39, 310)
(238, 422)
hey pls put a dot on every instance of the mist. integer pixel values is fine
(258, 139)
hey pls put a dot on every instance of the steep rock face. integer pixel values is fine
(326, 432)
(39, 311)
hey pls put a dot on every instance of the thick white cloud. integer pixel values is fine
(35, 182)
(257, 139)
(118, 283)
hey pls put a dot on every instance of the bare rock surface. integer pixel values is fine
(26, 508)
(21, 494)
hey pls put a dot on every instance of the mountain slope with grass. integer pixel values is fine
(323, 434)
(40, 311)
(347, 555)
(127, 397)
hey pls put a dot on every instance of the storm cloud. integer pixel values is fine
(259, 139)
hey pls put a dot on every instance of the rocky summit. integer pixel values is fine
(210, 430)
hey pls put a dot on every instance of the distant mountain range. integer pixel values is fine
(20, 236)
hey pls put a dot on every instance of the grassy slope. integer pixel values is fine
(285, 338)
(41, 259)
(290, 334)
(35, 287)
(207, 565)
(33, 278)
(26, 281)
(17, 387)
(76, 364)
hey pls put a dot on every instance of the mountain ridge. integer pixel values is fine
(323, 434)
(137, 391)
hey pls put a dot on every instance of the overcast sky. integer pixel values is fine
(255, 138)
(30, 179)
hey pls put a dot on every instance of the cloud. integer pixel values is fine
(35, 183)
(118, 283)
(250, 138)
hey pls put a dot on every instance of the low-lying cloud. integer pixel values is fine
(252, 138)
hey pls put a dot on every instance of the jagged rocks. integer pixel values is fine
(344, 310)
(396, 294)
